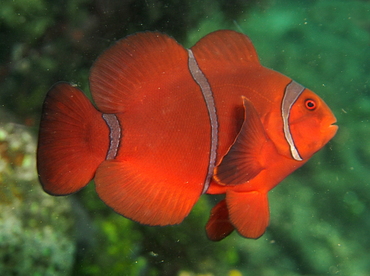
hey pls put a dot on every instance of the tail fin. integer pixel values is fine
(248, 212)
(73, 140)
(218, 226)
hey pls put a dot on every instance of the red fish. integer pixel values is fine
(171, 124)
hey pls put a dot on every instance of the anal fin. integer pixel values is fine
(143, 197)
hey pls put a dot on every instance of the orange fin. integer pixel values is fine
(248, 212)
(142, 197)
(225, 49)
(241, 162)
(218, 226)
(73, 140)
(134, 67)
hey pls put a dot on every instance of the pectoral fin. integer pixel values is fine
(242, 161)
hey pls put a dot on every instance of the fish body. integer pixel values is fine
(171, 124)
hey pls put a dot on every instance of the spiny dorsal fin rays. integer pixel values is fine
(226, 48)
(124, 73)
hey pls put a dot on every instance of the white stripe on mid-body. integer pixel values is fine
(114, 135)
(203, 83)
(292, 92)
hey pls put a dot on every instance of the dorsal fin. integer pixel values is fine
(225, 48)
(135, 67)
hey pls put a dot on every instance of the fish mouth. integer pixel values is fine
(333, 123)
(332, 129)
(329, 127)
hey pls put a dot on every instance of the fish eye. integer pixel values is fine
(310, 104)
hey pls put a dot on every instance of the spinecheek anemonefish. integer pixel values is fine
(171, 124)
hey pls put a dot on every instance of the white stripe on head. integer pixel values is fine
(292, 92)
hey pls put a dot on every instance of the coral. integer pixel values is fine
(36, 230)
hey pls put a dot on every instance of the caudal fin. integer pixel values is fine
(218, 226)
(248, 212)
(73, 140)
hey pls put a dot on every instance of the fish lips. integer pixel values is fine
(330, 130)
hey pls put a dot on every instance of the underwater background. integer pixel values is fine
(320, 218)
